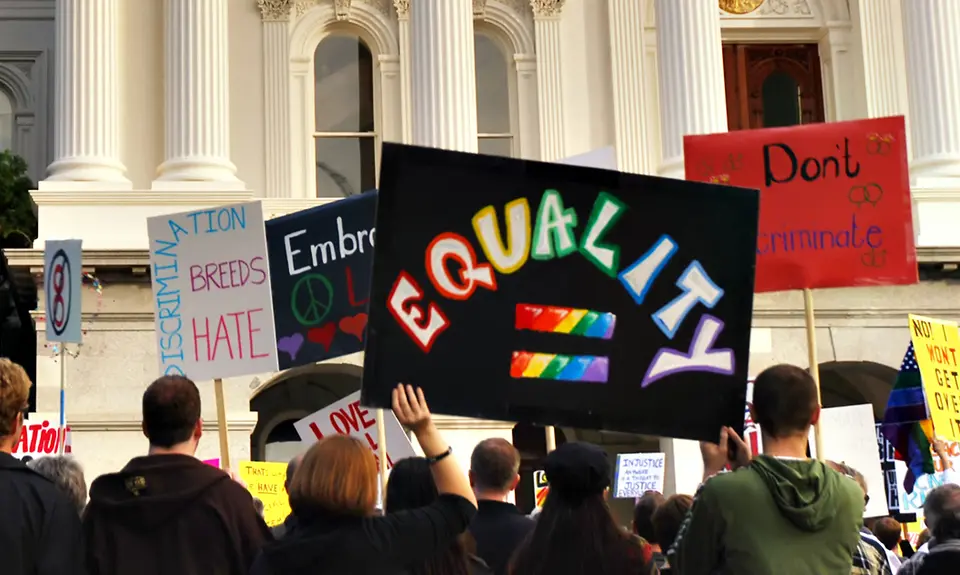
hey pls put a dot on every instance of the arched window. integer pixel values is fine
(493, 98)
(345, 133)
(6, 122)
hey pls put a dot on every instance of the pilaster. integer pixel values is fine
(406, 90)
(629, 98)
(690, 70)
(884, 66)
(546, 23)
(276, 95)
(87, 99)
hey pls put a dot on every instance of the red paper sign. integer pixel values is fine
(835, 207)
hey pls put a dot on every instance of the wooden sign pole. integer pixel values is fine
(814, 364)
(222, 425)
(382, 455)
(551, 438)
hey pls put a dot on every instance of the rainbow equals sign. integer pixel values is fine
(564, 320)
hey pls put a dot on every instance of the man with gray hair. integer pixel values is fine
(941, 511)
(66, 474)
(280, 530)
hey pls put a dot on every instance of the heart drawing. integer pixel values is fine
(354, 325)
(291, 344)
(323, 335)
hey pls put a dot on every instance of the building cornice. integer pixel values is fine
(242, 421)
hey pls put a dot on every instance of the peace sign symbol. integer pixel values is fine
(311, 299)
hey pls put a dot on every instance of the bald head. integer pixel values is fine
(494, 465)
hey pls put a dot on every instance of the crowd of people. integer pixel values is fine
(776, 513)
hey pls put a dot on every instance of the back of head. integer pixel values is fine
(784, 401)
(66, 474)
(494, 465)
(888, 531)
(668, 518)
(643, 515)
(14, 397)
(942, 512)
(410, 485)
(338, 476)
(171, 411)
(291, 470)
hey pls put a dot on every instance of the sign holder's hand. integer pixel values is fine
(410, 407)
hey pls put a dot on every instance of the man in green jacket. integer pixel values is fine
(780, 513)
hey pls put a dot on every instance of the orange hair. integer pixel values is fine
(14, 394)
(338, 474)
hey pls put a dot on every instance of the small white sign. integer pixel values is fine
(347, 417)
(601, 158)
(211, 287)
(41, 437)
(62, 285)
(638, 473)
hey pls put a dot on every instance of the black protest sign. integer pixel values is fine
(553, 294)
(320, 263)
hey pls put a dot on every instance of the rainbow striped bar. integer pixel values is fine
(568, 320)
(557, 367)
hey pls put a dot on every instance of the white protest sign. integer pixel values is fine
(41, 437)
(602, 158)
(638, 473)
(751, 431)
(211, 285)
(346, 417)
(849, 437)
(62, 284)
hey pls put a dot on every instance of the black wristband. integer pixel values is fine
(441, 457)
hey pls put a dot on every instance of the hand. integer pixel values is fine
(716, 457)
(940, 447)
(411, 408)
(744, 454)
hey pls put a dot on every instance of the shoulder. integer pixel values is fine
(723, 482)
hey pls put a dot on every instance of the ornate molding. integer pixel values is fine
(546, 8)
(740, 6)
(402, 7)
(796, 8)
(479, 9)
(274, 10)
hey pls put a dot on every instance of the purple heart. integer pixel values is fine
(291, 344)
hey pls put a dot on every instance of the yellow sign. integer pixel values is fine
(937, 345)
(540, 487)
(265, 482)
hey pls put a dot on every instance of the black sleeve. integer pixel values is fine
(415, 535)
(251, 531)
(62, 549)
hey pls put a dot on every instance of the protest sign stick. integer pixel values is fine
(382, 451)
(63, 398)
(814, 364)
(551, 438)
(222, 424)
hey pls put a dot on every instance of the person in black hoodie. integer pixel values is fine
(168, 512)
(40, 529)
(291, 520)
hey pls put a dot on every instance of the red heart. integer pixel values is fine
(323, 335)
(354, 325)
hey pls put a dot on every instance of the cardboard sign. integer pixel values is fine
(211, 287)
(637, 473)
(560, 295)
(540, 487)
(347, 417)
(62, 285)
(888, 465)
(41, 437)
(265, 481)
(937, 345)
(320, 264)
(835, 200)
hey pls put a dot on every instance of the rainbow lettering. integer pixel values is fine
(557, 367)
(572, 321)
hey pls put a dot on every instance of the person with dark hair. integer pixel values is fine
(575, 533)
(40, 529)
(941, 511)
(499, 527)
(169, 512)
(411, 486)
(290, 522)
(779, 513)
(667, 520)
(889, 532)
(643, 511)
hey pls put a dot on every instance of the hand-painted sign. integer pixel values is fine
(62, 284)
(937, 345)
(541, 487)
(347, 417)
(211, 287)
(265, 481)
(637, 473)
(40, 437)
(835, 200)
(320, 263)
(561, 295)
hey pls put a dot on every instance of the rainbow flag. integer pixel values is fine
(906, 423)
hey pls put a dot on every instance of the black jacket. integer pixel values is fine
(498, 529)
(39, 526)
(327, 544)
(941, 559)
(165, 514)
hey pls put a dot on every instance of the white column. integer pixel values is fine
(197, 96)
(87, 98)
(932, 37)
(690, 70)
(444, 82)
(881, 33)
(528, 107)
(276, 96)
(546, 23)
(629, 98)
(406, 92)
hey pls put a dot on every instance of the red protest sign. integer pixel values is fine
(835, 208)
